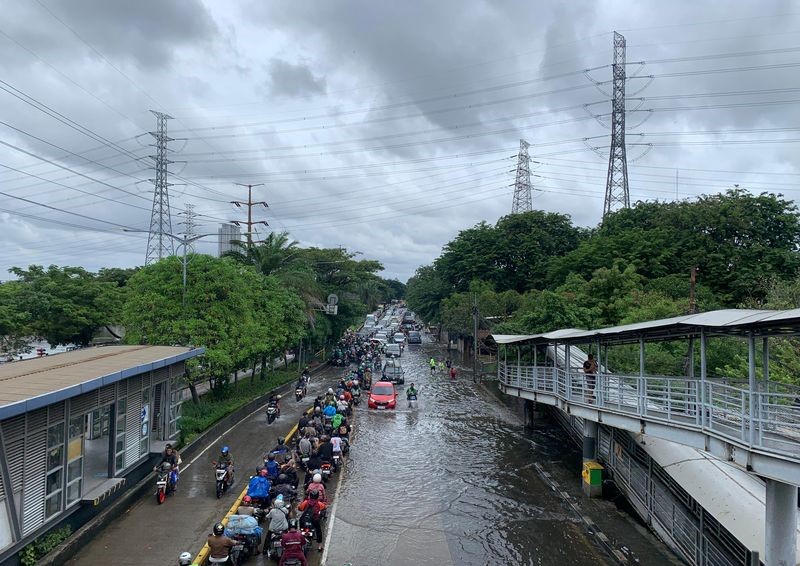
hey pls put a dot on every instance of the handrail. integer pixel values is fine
(771, 423)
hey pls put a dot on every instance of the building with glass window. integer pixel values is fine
(75, 426)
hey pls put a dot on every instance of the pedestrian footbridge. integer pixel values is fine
(750, 420)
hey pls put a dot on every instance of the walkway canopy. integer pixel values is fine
(736, 322)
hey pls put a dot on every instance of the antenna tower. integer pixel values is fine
(159, 241)
(617, 193)
(522, 184)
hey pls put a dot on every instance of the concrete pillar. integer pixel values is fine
(781, 531)
(589, 440)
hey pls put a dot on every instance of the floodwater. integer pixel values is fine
(453, 481)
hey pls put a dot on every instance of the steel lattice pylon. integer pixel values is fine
(617, 193)
(159, 244)
(522, 184)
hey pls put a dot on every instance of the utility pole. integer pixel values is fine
(522, 185)
(475, 376)
(189, 224)
(158, 245)
(692, 285)
(250, 204)
(617, 193)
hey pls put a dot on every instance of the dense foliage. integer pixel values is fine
(535, 272)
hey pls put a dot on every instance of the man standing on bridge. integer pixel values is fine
(590, 370)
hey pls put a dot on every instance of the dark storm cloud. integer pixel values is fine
(144, 32)
(293, 80)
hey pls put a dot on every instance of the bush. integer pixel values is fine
(31, 554)
(219, 403)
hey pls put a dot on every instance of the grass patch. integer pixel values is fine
(219, 403)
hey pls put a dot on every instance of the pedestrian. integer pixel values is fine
(590, 373)
(452, 373)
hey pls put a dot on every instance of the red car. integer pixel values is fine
(382, 396)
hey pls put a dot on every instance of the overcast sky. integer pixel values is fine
(384, 127)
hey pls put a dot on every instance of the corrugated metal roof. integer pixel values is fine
(722, 320)
(30, 384)
(512, 338)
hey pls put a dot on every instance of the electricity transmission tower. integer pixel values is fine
(159, 244)
(522, 184)
(617, 193)
(249, 204)
(189, 223)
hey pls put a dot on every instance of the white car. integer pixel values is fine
(399, 338)
(392, 350)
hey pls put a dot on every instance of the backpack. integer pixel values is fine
(314, 511)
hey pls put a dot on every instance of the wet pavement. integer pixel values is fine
(152, 534)
(454, 481)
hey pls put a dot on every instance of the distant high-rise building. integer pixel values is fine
(227, 234)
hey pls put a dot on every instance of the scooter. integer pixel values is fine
(221, 472)
(412, 401)
(337, 461)
(162, 479)
(274, 548)
(273, 412)
(325, 471)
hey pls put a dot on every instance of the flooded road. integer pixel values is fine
(453, 482)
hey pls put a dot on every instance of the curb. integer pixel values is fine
(82, 536)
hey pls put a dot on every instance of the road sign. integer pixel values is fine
(331, 309)
(333, 299)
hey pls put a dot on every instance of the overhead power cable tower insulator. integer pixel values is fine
(522, 184)
(159, 243)
(617, 192)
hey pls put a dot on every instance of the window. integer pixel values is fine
(119, 450)
(175, 402)
(144, 439)
(55, 470)
(75, 459)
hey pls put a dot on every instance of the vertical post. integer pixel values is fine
(752, 385)
(765, 362)
(641, 376)
(703, 373)
(249, 216)
(535, 364)
(183, 300)
(475, 347)
(781, 527)
(600, 380)
(519, 366)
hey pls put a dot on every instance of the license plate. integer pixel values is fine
(277, 544)
(381, 408)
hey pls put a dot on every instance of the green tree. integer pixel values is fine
(425, 292)
(14, 320)
(66, 304)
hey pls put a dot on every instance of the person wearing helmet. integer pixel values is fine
(219, 545)
(317, 485)
(247, 507)
(348, 394)
(343, 405)
(277, 518)
(411, 391)
(313, 508)
(185, 559)
(329, 396)
(226, 457)
(337, 420)
(292, 543)
(281, 449)
(329, 411)
(272, 466)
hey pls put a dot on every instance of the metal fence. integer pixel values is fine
(767, 418)
(668, 509)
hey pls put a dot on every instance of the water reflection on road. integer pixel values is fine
(451, 482)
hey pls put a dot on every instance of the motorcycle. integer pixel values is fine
(326, 470)
(304, 460)
(221, 474)
(162, 485)
(357, 397)
(274, 548)
(273, 411)
(307, 530)
(412, 401)
(337, 461)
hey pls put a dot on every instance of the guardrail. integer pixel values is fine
(767, 418)
(202, 557)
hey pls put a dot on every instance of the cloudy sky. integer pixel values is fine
(384, 127)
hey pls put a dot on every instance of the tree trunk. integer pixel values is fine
(193, 390)
(286, 359)
(253, 375)
(263, 366)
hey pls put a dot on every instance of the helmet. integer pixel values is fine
(219, 528)
(185, 559)
(168, 446)
(283, 478)
(166, 466)
(317, 478)
(224, 449)
(330, 390)
(341, 397)
(278, 503)
(314, 494)
(292, 523)
(280, 440)
(340, 411)
(270, 456)
(262, 472)
(247, 500)
(317, 409)
(278, 397)
(355, 383)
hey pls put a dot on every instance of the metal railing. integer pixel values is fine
(767, 418)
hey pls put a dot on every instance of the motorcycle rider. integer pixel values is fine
(219, 545)
(411, 391)
(337, 420)
(305, 446)
(226, 457)
(292, 543)
(314, 507)
(281, 449)
(301, 385)
(330, 396)
(272, 467)
(246, 508)
(329, 410)
(278, 522)
(343, 405)
(316, 483)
